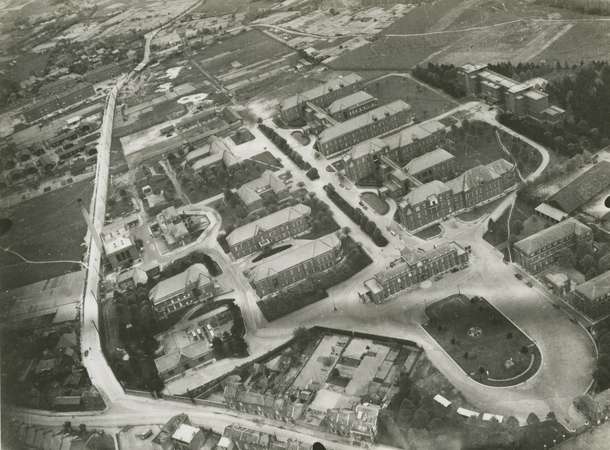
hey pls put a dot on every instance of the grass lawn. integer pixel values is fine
(425, 102)
(48, 227)
(485, 344)
(477, 145)
(377, 203)
(430, 232)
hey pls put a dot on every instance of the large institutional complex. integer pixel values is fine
(414, 268)
(293, 107)
(522, 99)
(280, 225)
(365, 126)
(436, 200)
(540, 250)
(296, 264)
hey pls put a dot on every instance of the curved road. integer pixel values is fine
(563, 343)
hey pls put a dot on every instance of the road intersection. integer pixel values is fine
(562, 342)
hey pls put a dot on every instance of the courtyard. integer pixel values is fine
(482, 341)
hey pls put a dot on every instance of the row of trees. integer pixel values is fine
(284, 147)
(356, 214)
(602, 371)
(442, 76)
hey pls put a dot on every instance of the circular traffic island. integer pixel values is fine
(482, 341)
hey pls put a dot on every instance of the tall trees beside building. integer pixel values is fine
(442, 76)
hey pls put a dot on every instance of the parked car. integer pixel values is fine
(146, 435)
(518, 276)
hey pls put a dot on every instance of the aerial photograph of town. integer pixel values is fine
(304, 224)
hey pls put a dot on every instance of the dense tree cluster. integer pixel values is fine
(442, 76)
(602, 371)
(284, 147)
(599, 7)
(356, 214)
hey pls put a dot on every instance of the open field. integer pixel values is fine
(584, 41)
(482, 341)
(425, 102)
(49, 227)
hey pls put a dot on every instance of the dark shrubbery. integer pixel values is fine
(442, 76)
(356, 214)
(284, 147)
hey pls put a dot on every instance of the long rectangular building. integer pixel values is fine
(435, 200)
(365, 126)
(283, 224)
(401, 147)
(414, 268)
(542, 249)
(323, 95)
(295, 264)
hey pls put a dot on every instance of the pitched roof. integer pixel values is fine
(269, 222)
(362, 120)
(549, 235)
(478, 175)
(197, 273)
(320, 90)
(427, 160)
(364, 148)
(584, 188)
(414, 133)
(423, 192)
(294, 256)
(595, 287)
(348, 101)
(550, 211)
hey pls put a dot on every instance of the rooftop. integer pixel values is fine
(549, 235)
(427, 160)
(362, 120)
(318, 91)
(469, 68)
(583, 189)
(478, 175)
(414, 133)
(596, 287)
(294, 256)
(269, 222)
(185, 433)
(366, 147)
(550, 211)
(425, 191)
(59, 296)
(349, 101)
(197, 274)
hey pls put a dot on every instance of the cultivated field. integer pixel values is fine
(49, 227)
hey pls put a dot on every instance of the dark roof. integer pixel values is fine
(581, 190)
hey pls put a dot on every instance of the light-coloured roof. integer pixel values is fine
(201, 152)
(247, 195)
(550, 211)
(44, 297)
(413, 133)
(469, 68)
(349, 101)
(269, 222)
(370, 146)
(596, 287)
(535, 94)
(318, 91)
(552, 234)
(441, 400)
(478, 175)
(185, 433)
(362, 120)
(197, 273)
(207, 161)
(294, 256)
(428, 160)
(425, 191)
